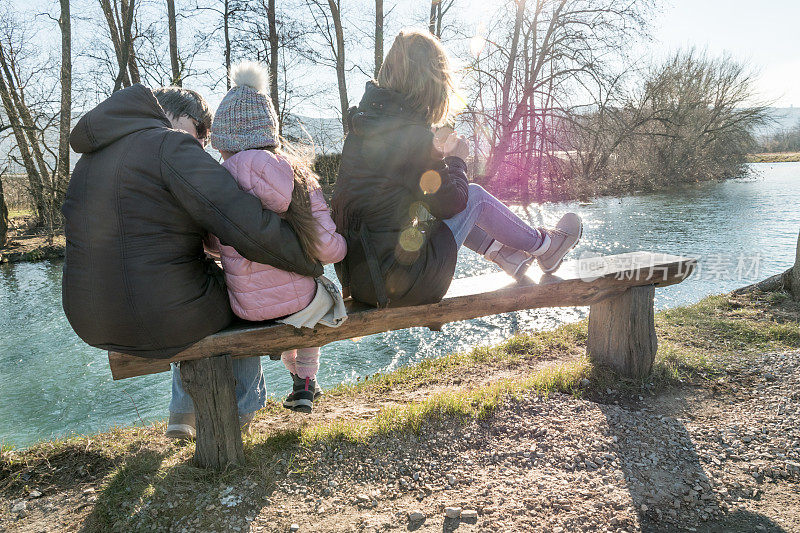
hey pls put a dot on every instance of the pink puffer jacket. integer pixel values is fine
(263, 292)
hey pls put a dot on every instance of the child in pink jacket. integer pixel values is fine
(245, 133)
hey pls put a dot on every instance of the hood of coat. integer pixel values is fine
(382, 110)
(132, 109)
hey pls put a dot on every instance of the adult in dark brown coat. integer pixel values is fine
(141, 198)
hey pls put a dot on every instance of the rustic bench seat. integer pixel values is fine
(619, 290)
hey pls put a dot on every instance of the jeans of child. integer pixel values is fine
(251, 392)
(303, 362)
(486, 218)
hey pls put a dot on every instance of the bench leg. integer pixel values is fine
(622, 334)
(210, 383)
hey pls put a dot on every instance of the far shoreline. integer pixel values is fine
(30, 245)
(774, 157)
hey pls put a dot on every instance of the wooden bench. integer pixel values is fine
(619, 290)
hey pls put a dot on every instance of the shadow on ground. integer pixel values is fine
(664, 492)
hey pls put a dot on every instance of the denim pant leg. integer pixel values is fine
(487, 213)
(251, 391)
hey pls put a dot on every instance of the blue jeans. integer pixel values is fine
(251, 392)
(486, 218)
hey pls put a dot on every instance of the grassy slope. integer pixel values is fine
(137, 464)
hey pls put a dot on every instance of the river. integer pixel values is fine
(51, 384)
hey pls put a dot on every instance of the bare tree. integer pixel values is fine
(336, 16)
(783, 140)
(274, 42)
(29, 124)
(537, 53)
(378, 36)
(161, 57)
(691, 119)
(3, 213)
(119, 17)
(173, 44)
(229, 13)
(24, 132)
(65, 109)
(792, 276)
(439, 9)
(272, 32)
(703, 119)
(327, 17)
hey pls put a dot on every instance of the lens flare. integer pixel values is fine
(478, 41)
(457, 103)
(411, 239)
(418, 212)
(430, 182)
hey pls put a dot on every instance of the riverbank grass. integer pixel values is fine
(135, 467)
(774, 157)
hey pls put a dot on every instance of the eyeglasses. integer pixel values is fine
(201, 129)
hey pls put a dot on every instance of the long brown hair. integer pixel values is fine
(417, 66)
(299, 214)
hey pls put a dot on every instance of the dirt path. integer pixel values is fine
(368, 405)
(724, 456)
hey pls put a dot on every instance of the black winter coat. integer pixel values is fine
(141, 198)
(379, 204)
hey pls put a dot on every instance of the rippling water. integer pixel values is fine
(52, 384)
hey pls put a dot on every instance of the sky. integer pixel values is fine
(764, 33)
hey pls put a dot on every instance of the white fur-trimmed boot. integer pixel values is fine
(513, 262)
(561, 239)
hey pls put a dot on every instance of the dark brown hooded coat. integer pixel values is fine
(141, 199)
(399, 252)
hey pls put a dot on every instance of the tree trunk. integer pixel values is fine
(226, 15)
(772, 283)
(11, 102)
(795, 273)
(3, 217)
(378, 36)
(274, 44)
(128, 8)
(34, 180)
(173, 44)
(126, 59)
(340, 74)
(116, 41)
(439, 16)
(65, 121)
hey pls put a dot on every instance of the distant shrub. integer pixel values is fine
(786, 140)
(327, 167)
(691, 121)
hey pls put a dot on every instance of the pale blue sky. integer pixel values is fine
(765, 33)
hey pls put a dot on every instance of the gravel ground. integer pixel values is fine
(719, 458)
(722, 456)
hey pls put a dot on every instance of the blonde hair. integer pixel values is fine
(417, 66)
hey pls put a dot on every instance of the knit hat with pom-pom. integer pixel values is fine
(245, 118)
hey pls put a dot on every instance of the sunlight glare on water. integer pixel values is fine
(52, 384)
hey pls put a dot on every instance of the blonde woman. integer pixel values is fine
(403, 201)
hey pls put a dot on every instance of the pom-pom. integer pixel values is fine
(250, 74)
